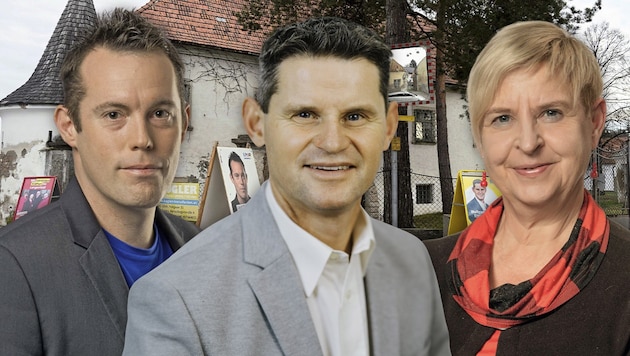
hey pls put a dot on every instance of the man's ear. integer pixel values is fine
(66, 127)
(254, 121)
(391, 124)
(185, 121)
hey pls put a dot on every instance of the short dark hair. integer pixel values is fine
(234, 157)
(477, 181)
(319, 37)
(119, 30)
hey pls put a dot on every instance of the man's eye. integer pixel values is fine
(354, 117)
(162, 114)
(304, 115)
(113, 115)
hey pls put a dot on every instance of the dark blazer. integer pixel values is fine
(63, 292)
(594, 322)
(234, 290)
(235, 203)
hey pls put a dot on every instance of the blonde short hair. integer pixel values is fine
(528, 45)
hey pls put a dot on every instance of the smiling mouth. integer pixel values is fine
(531, 168)
(330, 168)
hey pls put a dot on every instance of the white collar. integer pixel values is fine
(310, 255)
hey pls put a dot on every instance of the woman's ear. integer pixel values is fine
(598, 119)
(254, 121)
(65, 125)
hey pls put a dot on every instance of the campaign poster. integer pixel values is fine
(471, 198)
(478, 196)
(182, 200)
(240, 176)
(36, 193)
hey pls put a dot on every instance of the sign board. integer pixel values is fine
(471, 199)
(395, 143)
(225, 190)
(240, 176)
(182, 200)
(36, 193)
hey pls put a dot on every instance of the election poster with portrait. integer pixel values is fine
(36, 193)
(231, 181)
(182, 199)
(474, 193)
(240, 176)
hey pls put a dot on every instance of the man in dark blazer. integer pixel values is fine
(66, 269)
(302, 269)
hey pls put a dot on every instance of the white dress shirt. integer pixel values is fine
(332, 282)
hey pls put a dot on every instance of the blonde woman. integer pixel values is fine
(542, 271)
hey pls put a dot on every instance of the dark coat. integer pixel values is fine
(595, 322)
(63, 292)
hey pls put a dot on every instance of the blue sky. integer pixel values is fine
(28, 24)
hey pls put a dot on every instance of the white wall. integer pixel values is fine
(220, 83)
(24, 136)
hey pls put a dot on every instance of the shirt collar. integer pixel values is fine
(310, 255)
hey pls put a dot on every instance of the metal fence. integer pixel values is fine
(607, 179)
(610, 191)
(427, 200)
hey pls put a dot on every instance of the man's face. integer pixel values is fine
(132, 127)
(239, 179)
(325, 130)
(480, 192)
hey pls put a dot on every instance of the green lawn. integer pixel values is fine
(608, 202)
(431, 221)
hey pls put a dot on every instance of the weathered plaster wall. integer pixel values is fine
(220, 82)
(24, 136)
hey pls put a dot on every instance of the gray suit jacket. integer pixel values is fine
(63, 292)
(234, 290)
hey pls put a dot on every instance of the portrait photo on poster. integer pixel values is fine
(240, 176)
(478, 195)
(36, 192)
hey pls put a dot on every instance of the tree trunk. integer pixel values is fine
(444, 160)
(397, 32)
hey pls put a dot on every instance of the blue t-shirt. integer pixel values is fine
(136, 262)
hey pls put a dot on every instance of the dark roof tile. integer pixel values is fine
(44, 85)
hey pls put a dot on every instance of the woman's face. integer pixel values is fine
(535, 144)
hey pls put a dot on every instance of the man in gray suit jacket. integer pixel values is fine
(66, 269)
(302, 269)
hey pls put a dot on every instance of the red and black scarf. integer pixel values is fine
(562, 278)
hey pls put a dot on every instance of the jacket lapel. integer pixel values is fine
(380, 290)
(101, 267)
(98, 261)
(277, 287)
(174, 236)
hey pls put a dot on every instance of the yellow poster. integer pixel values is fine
(182, 200)
(474, 192)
